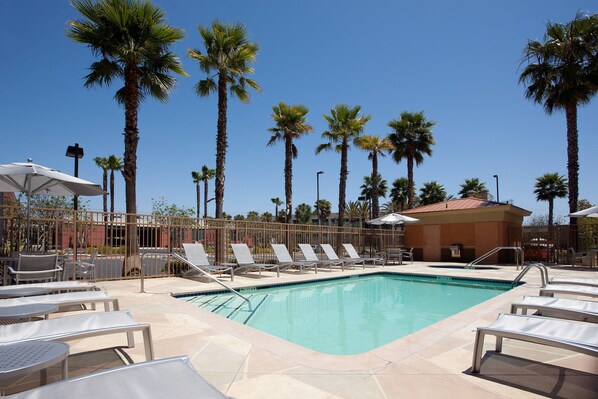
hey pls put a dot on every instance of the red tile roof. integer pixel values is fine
(455, 204)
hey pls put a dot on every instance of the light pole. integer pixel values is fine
(318, 196)
(74, 151)
(497, 196)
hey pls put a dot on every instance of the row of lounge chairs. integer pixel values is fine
(198, 259)
(173, 377)
(558, 322)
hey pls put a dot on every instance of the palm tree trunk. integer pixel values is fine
(130, 168)
(375, 196)
(572, 169)
(198, 198)
(112, 207)
(410, 184)
(342, 187)
(105, 204)
(221, 145)
(205, 198)
(288, 178)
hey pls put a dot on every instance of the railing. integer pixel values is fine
(543, 273)
(518, 259)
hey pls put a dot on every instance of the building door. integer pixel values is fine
(432, 243)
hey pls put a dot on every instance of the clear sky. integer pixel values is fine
(458, 61)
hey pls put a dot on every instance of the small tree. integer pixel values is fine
(432, 193)
(547, 188)
(303, 214)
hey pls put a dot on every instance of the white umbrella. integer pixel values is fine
(392, 219)
(29, 178)
(590, 212)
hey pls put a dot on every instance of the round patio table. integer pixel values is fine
(22, 359)
(27, 311)
(23, 290)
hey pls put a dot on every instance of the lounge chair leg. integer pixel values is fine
(130, 339)
(149, 343)
(499, 344)
(115, 305)
(478, 347)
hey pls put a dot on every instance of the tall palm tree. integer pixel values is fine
(547, 188)
(290, 125)
(474, 185)
(431, 193)
(132, 42)
(400, 192)
(102, 162)
(344, 126)
(207, 174)
(561, 75)
(227, 61)
(115, 164)
(197, 177)
(374, 146)
(412, 139)
(277, 202)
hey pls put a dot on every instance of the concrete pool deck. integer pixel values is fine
(431, 363)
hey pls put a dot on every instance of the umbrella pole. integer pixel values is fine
(27, 245)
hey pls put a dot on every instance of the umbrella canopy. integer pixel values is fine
(590, 212)
(392, 218)
(30, 179)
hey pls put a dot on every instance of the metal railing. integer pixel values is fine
(543, 273)
(518, 256)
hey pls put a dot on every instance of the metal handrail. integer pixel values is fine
(179, 257)
(518, 250)
(543, 273)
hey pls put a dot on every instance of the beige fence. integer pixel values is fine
(53, 230)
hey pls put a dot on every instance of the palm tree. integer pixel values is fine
(197, 177)
(207, 174)
(367, 188)
(474, 185)
(114, 164)
(400, 192)
(353, 211)
(344, 126)
(290, 125)
(432, 193)
(561, 75)
(374, 146)
(390, 207)
(102, 162)
(324, 207)
(227, 61)
(131, 41)
(303, 213)
(277, 202)
(549, 187)
(412, 139)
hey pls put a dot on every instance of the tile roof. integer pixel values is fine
(455, 204)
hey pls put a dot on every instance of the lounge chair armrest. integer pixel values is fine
(26, 272)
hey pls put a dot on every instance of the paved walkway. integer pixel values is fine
(432, 363)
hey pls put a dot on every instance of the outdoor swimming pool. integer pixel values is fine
(354, 314)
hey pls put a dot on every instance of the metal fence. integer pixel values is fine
(81, 233)
(555, 245)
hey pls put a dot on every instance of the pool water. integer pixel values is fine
(352, 315)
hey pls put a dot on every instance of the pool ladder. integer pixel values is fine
(543, 273)
(518, 256)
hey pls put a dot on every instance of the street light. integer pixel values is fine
(74, 151)
(497, 196)
(318, 196)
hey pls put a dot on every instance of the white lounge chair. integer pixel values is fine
(408, 255)
(79, 269)
(54, 286)
(196, 254)
(569, 289)
(246, 263)
(285, 260)
(571, 335)
(35, 268)
(591, 282)
(67, 299)
(564, 308)
(78, 327)
(331, 255)
(158, 379)
(310, 255)
(352, 252)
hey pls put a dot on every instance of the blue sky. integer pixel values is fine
(457, 61)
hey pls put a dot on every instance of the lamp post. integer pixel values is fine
(318, 196)
(74, 151)
(497, 196)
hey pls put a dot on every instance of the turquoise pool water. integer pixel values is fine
(352, 315)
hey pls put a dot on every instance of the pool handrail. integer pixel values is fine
(518, 259)
(543, 273)
(179, 257)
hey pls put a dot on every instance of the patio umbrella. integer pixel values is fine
(29, 178)
(392, 219)
(590, 212)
